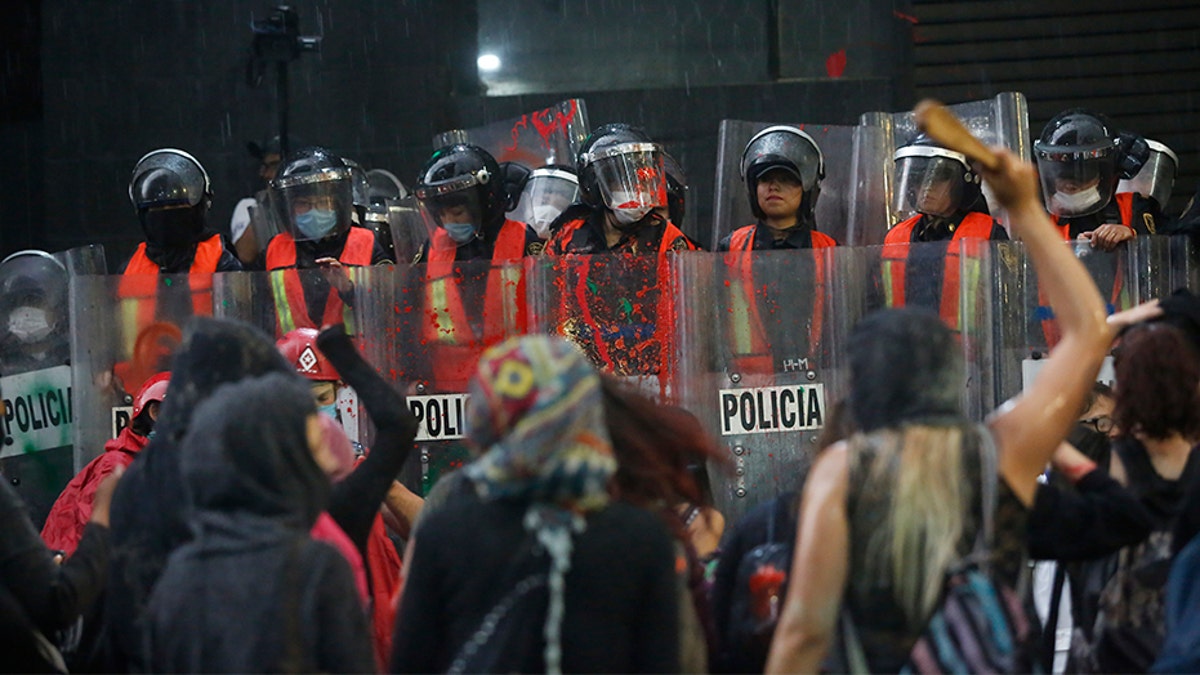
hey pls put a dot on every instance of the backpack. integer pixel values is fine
(760, 588)
(979, 625)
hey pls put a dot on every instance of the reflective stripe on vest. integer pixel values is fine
(138, 289)
(288, 291)
(751, 347)
(456, 348)
(895, 258)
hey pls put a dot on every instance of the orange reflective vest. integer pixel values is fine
(291, 309)
(751, 346)
(1118, 299)
(664, 321)
(138, 289)
(455, 345)
(895, 258)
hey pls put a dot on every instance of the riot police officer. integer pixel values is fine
(621, 184)
(1081, 158)
(313, 197)
(33, 313)
(547, 192)
(783, 168)
(463, 199)
(946, 194)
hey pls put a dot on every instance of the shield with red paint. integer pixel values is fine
(534, 139)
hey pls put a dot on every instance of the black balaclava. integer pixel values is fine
(905, 366)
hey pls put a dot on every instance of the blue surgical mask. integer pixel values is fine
(316, 223)
(330, 410)
(460, 232)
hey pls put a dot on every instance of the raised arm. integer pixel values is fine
(1029, 427)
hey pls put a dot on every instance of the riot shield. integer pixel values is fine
(549, 136)
(444, 316)
(617, 307)
(409, 233)
(853, 197)
(1002, 120)
(760, 346)
(37, 457)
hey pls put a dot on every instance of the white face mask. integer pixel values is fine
(1067, 203)
(543, 215)
(28, 324)
(629, 207)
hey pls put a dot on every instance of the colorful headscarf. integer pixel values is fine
(536, 411)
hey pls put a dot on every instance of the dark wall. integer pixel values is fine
(122, 77)
(21, 127)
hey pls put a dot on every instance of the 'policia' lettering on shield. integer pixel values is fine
(772, 409)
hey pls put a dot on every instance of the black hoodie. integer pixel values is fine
(252, 592)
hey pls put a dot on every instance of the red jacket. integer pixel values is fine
(384, 567)
(73, 508)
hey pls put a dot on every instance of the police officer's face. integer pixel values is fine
(269, 167)
(1070, 185)
(459, 213)
(935, 198)
(779, 193)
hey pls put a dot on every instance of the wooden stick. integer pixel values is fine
(942, 126)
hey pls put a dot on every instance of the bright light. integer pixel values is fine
(488, 63)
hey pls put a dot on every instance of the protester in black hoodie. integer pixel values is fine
(252, 592)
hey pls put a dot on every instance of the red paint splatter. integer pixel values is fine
(904, 17)
(835, 65)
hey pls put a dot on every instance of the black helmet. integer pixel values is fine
(788, 148)
(313, 194)
(935, 181)
(461, 177)
(1077, 156)
(171, 192)
(515, 176)
(601, 138)
(677, 189)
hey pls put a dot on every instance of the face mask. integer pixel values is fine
(460, 232)
(330, 410)
(542, 217)
(316, 223)
(172, 228)
(1078, 202)
(29, 324)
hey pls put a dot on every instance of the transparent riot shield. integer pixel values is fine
(549, 136)
(37, 457)
(409, 233)
(761, 358)
(1030, 330)
(264, 222)
(1164, 264)
(853, 197)
(955, 280)
(1002, 120)
(617, 307)
(443, 316)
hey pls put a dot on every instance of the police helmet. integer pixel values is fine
(1077, 156)
(788, 148)
(313, 194)
(463, 180)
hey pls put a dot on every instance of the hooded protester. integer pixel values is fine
(531, 568)
(149, 512)
(252, 592)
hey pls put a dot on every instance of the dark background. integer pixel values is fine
(87, 87)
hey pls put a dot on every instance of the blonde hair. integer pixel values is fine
(921, 468)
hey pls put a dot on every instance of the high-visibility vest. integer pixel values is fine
(291, 309)
(1119, 298)
(751, 346)
(455, 345)
(138, 289)
(664, 321)
(895, 258)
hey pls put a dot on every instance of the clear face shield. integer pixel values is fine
(458, 212)
(929, 181)
(1076, 182)
(547, 194)
(316, 205)
(631, 179)
(1157, 176)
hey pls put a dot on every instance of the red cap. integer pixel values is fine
(299, 347)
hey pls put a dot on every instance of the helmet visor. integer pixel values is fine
(1076, 183)
(314, 210)
(931, 185)
(630, 176)
(459, 214)
(547, 194)
(167, 179)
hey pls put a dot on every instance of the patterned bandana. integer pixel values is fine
(536, 411)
